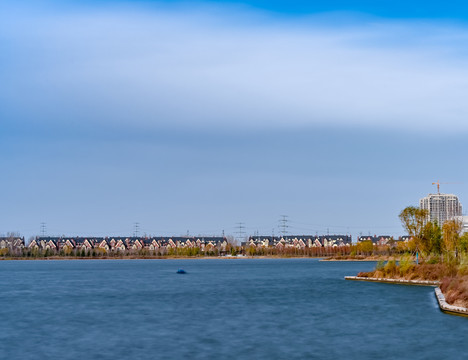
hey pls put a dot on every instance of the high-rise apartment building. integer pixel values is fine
(441, 207)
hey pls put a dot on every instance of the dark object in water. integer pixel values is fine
(181, 271)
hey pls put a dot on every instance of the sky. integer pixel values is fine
(190, 117)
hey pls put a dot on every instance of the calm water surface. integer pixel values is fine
(221, 309)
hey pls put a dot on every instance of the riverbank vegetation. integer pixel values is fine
(455, 290)
(436, 253)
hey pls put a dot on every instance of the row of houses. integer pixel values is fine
(303, 241)
(204, 243)
(298, 241)
(127, 243)
(12, 242)
(383, 239)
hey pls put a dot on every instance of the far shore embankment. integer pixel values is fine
(64, 258)
(344, 258)
(361, 258)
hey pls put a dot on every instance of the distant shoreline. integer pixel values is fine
(64, 258)
(351, 260)
(361, 259)
(322, 258)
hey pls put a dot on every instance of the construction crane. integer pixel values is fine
(438, 184)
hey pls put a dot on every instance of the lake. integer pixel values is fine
(220, 309)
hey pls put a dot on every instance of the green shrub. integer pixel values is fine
(390, 269)
(406, 265)
(380, 265)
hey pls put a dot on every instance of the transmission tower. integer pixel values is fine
(283, 225)
(240, 230)
(136, 229)
(43, 229)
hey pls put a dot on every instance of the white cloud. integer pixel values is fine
(180, 67)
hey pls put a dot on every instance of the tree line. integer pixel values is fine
(430, 239)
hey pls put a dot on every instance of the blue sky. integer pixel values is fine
(196, 116)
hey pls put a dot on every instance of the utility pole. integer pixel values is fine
(284, 225)
(136, 229)
(240, 232)
(43, 229)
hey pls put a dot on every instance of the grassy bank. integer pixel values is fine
(360, 258)
(455, 290)
(408, 270)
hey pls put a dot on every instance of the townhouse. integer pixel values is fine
(298, 241)
(126, 243)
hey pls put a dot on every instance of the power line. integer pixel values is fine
(344, 226)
